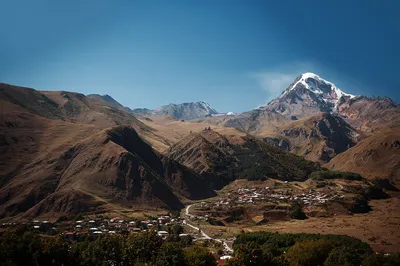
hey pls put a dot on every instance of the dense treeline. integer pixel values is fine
(23, 247)
(263, 248)
(268, 161)
(26, 248)
(328, 174)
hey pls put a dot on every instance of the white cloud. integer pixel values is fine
(276, 80)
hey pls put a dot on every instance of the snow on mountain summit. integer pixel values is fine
(313, 82)
(189, 110)
(206, 106)
(307, 93)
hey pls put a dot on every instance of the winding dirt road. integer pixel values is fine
(205, 236)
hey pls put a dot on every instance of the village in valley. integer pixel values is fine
(270, 193)
(240, 194)
(218, 220)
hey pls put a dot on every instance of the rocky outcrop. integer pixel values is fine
(370, 114)
(317, 138)
(278, 142)
(256, 121)
(186, 111)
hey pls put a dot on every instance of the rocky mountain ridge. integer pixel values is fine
(186, 111)
(222, 159)
(307, 95)
(317, 138)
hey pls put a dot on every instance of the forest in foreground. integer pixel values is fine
(23, 247)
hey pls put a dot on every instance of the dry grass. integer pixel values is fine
(372, 157)
(380, 228)
(171, 131)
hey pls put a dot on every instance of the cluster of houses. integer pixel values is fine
(267, 194)
(73, 229)
(118, 225)
(315, 198)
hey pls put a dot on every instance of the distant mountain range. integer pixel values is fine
(63, 152)
(184, 111)
(294, 120)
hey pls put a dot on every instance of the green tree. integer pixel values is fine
(251, 253)
(105, 250)
(186, 240)
(142, 247)
(309, 252)
(381, 260)
(199, 256)
(55, 251)
(20, 248)
(343, 256)
(175, 229)
(80, 251)
(170, 254)
(297, 212)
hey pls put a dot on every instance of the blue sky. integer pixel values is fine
(236, 55)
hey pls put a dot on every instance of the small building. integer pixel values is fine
(93, 229)
(132, 224)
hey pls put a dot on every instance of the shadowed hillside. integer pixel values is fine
(58, 158)
(222, 160)
(316, 138)
(113, 167)
(375, 156)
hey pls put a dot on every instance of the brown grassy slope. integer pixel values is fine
(317, 138)
(112, 167)
(28, 144)
(375, 156)
(69, 106)
(254, 121)
(379, 228)
(92, 110)
(46, 159)
(26, 137)
(222, 159)
(31, 100)
(172, 130)
(106, 112)
(371, 114)
(101, 112)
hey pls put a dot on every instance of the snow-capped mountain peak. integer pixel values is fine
(308, 92)
(205, 105)
(190, 110)
(313, 83)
